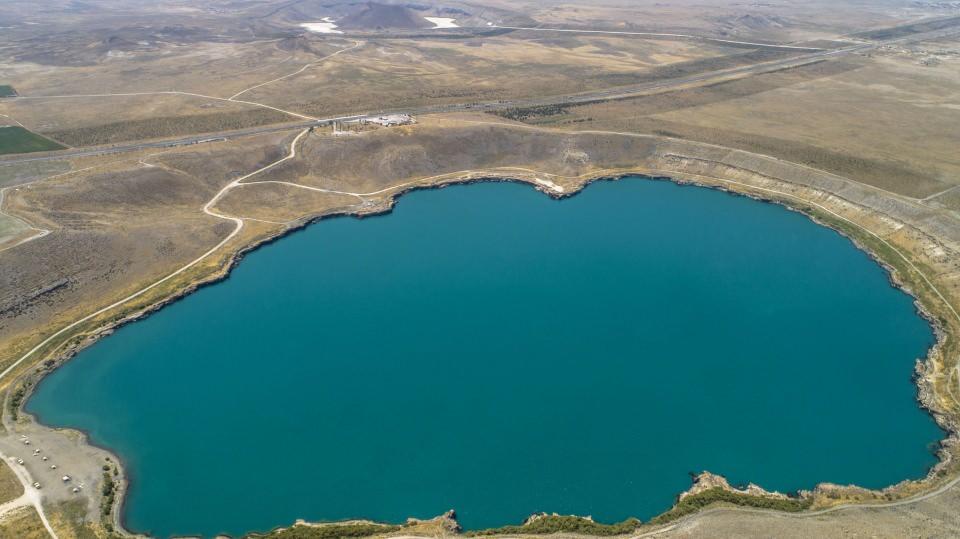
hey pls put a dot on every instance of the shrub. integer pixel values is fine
(330, 531)
(571, 524)
(692, 504)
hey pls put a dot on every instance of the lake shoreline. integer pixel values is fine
(923, 377)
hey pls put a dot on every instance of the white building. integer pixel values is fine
(389, 120)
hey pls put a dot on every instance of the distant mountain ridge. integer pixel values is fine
(374, 15)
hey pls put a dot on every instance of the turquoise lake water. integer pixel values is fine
(492, 350)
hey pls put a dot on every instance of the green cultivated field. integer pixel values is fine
(6, 90)
(15, 139)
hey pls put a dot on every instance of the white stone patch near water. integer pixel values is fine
(549, 184)
(325, 26)
(442, 22)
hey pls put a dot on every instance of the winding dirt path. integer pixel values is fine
(22, 501)
(166, 92)
(207, 208)
(231, 99)
(238, 221)
(31, 494)
(39, 232)
(807, 514)
(356, 44)
(802, 515)
(33, 497)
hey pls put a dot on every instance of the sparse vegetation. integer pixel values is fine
(692, 504)
(72, 515)
(548, 524)
(521, 114)
(15, 139)
(847, 117)
(10, 487)
(16, 398)
(23, 523)
(16, 173)
(327, 531)
(170, 126)
(109, 491)
(908, 29)
(811, 95)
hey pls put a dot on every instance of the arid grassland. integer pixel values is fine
(864, 141)
(473, 147)
(10, 487)
(834, 116)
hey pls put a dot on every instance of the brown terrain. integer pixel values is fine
(864, 141)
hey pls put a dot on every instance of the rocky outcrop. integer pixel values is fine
(540, 516)
(445, 523)
(706, 481)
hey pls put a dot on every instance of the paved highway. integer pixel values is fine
(167, 143)
(753, 44)
(619, 92)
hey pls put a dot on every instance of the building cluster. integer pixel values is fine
(389, 120)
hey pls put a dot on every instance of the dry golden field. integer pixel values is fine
(864, 140)
(854, 117)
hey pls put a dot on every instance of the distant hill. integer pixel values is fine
(295, 44)
(373, 16)
(402, 15)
